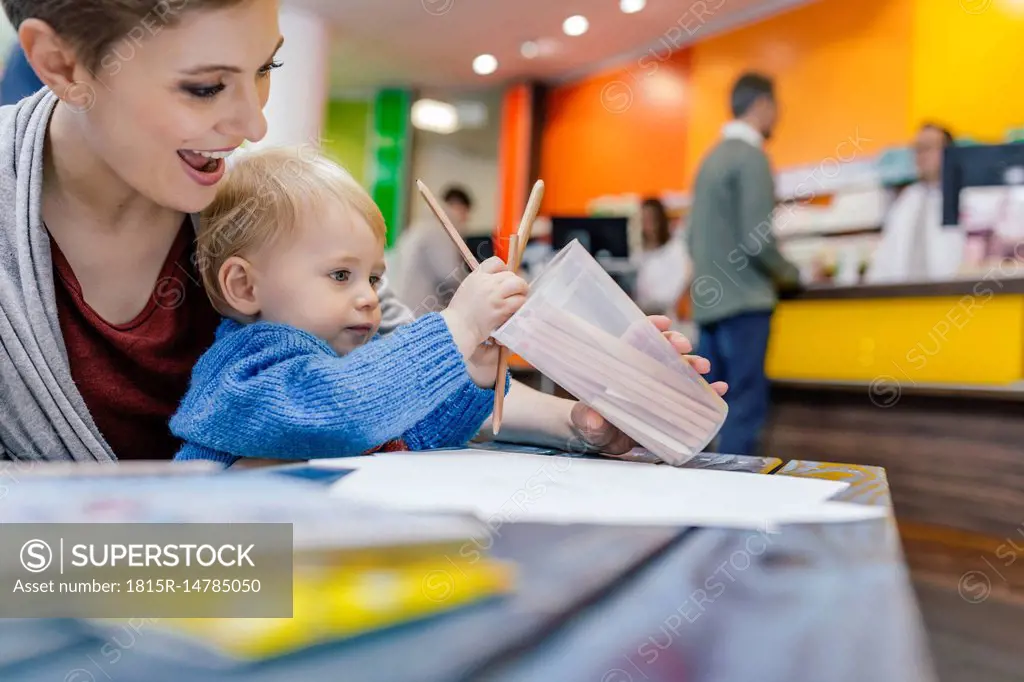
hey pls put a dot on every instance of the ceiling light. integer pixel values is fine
(575, 25)
(632, 6)
(434, 116)
(485, 65)
(530, 49)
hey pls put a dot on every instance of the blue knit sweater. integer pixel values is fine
(273, 391)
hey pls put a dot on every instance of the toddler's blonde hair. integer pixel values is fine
(262, 198)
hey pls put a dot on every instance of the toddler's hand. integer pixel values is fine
(485, 300)
(482, 365)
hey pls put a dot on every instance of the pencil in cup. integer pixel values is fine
(581, 330)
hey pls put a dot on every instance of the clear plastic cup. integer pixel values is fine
(579, 328)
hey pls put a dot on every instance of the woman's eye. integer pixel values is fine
(340, 275)
(267, 68)
(204, 92)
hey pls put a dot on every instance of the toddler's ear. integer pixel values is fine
(237, 281)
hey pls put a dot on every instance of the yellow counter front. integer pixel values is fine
(924, 380)
(967, 333)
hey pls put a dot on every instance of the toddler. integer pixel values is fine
(291, 252)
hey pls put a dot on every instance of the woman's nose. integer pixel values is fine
(248, 120)
(256, 126)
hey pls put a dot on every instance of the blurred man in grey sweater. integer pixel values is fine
(426, 268)
(737, 267)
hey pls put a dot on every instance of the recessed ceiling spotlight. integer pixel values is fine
(437, 117)
(632, 6)
(575, 25)
(485, 65)
(530, 49)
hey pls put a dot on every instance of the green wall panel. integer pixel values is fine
(390, 156)
(346, 135)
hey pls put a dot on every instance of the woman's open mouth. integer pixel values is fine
(205, 167)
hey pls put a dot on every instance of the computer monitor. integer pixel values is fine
(978, 166)
(481, 247)
(603, 236)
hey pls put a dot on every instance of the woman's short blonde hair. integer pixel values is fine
(263, 197)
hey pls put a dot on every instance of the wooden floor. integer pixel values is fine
(972, 642)
(971, 596)
(956, 472)
(951, 462)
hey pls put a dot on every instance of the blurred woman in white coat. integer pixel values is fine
(915, 246)
(663, 266)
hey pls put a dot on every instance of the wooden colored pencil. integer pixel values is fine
(453, 232)
(499, 379)
(529, 218)
(516, 246)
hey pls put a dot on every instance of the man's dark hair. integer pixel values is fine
(947, 136)
(458, 195)
(747, 89)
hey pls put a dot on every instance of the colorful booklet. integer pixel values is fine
(341, 602)
(357, 568)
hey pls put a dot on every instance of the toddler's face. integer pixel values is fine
(323, 279)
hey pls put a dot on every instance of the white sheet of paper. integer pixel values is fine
(510, 487)
(319, 521)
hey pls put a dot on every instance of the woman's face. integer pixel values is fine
(649, 222)
(162, 108)
(928, 149)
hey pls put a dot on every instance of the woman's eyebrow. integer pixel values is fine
(207, 68)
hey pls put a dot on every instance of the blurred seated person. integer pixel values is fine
(663, 266)
(915, 247)
(19, 79)
(426, 267)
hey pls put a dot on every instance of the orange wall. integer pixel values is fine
(513, 162)
(845, 71)
(621, 131)
(841, 69)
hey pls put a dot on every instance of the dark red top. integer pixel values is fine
(132, 376)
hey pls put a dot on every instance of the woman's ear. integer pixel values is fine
(237, 281)
(57, 64)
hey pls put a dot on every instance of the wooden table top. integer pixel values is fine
(814, 603)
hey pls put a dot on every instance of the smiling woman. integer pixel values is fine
(145, 101)
(155, 89)
(102, 311)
